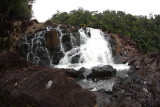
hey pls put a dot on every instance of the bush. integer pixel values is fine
(15, 10)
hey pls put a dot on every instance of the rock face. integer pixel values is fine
(106, 71)
(123, 48)
(37, 86)
(48, 44)
(142, 87)
(13, 31)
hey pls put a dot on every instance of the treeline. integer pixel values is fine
(144, 31)
(11, 10)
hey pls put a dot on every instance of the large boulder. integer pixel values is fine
(37, 86)
(105, 71)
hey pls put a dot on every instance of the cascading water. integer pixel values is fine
(34, 48)
(86, 48)
(94, 50)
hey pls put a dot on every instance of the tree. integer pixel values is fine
(15, 10)
(144, 31)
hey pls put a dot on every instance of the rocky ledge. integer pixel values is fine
(23, 85)
(142, 87)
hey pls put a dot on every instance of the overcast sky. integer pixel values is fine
(44, 9)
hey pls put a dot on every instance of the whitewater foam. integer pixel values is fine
(94, 50)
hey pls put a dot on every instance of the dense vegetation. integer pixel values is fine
(145, 31)
(15, 10)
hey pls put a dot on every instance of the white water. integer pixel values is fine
(37, 44)
(94, 50)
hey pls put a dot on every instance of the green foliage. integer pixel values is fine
(144, 31)
(15, 10)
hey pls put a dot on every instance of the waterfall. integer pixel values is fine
(87, 48)
(94, 50)
(58, 47)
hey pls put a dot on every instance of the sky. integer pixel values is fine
(44, 9)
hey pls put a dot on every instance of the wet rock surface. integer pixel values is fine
(22, 85)
(46, 41)
(141, 87)
(75, 74)
(123, 48)
(106, 71)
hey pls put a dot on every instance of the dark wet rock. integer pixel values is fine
(33, 48)
(56, 56)
(66, 40)
(42, 48)
(102, 97)
(102, 72)
(75, 59)
(47, 44)
(126, 104)
(75, 73)
(76, 35)
(37, 86)
(142, 87)
(83, 69)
